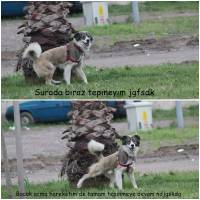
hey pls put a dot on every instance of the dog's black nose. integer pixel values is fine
(132, 146)
(87, 41)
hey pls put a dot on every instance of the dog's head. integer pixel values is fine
(84, 40)
(132, 143)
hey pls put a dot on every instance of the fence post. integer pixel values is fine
(6, 167)
(179, 115)
(19, 150)
(135, 12)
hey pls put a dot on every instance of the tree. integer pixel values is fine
(46, 23)
(89, 120)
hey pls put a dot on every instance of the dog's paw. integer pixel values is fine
(111, 185)
(136, 187)
(79, 185)
(119, 189)
(140, 189)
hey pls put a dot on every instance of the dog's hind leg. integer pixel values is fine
(80, 182)
(111, 175)
(48, 80)
(91, 174)
(49, 71)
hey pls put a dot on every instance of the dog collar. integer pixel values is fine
(125, 165)
(72, 58)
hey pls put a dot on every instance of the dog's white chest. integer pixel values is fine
(62, 66)
(129, 161)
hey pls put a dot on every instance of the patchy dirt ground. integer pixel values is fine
(145, 52)
(43, 151)
(149, 52)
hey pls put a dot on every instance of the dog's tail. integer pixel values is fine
(95, 148)
(33, 51)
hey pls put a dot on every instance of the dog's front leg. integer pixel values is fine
(81, 73)
(118, 177)
(67, 73)
(132, 179)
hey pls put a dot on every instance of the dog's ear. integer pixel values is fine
(124, 139)
(137, 138)
(77, 36)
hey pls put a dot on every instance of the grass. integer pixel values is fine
(160, 114)
(191, 111)
(173, 185)
(152, 28)
(155, 6)
(167, 81)
(157, 138)
(5, 124)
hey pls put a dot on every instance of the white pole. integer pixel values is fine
(6, 166)
(135, 12)
(19, 150)
(179, 115)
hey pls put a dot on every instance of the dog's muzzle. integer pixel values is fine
(86, 43)
(132, 147)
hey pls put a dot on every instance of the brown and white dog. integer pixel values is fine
(114, 165)
(68, 57)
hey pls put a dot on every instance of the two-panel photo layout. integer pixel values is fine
(100, 99)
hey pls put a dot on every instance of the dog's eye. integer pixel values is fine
(129, 140)
(89, 36)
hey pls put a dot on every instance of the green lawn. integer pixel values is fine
(173, 185)
(191, 111)
(156, 6)
(164, 27)
(159, 114)
(166, 81)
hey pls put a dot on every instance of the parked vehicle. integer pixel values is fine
(16, 8)
(53, 111)
(76, 7)
(119, 106)
(41, 111)
(13, 8)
